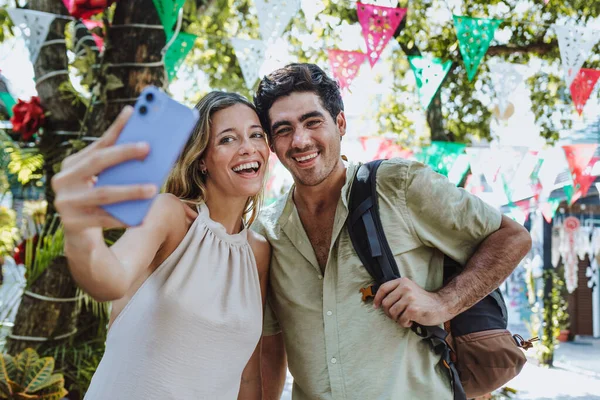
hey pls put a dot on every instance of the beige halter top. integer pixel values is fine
(189, 330)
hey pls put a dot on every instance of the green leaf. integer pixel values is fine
(5, 391)
(24, 361)
(39, 374)
(26, 164)
(55, 395)
(8, 370)
(113, 83)
(55, 382)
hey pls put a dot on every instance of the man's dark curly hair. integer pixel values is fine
(297, 77)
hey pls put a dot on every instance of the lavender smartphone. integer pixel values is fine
(166, 125)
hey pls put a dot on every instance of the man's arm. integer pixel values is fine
(273, 366)
(462, 226)
(495, 259)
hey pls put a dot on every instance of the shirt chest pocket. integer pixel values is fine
(401, 243)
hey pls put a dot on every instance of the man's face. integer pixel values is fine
(305, 137)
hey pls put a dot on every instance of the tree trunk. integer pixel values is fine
(35, 317)
(124, 45)
(435, 119)
(45, 318)
(129, 45)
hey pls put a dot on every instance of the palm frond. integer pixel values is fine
(49, 247)
(100, 310)
(26, 163)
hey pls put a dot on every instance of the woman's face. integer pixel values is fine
(237, 152)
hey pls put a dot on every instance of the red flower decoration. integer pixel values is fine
(19, 252)
(86, 8)
(28, 117)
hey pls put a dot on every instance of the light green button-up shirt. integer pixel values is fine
(338, 346)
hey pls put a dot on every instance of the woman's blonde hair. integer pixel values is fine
(186, 180)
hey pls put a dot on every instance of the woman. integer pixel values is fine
(188, 285)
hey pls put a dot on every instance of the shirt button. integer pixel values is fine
(329, 313)
(320, 276)
(333, 360)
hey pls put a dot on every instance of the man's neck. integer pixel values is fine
(324, 196)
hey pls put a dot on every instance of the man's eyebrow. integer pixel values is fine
(302, 118)
(311, 114)
(280, 123)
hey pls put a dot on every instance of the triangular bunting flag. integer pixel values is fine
(311, 9)
(474, 37)
(275, 16)
(378, 147)
(569, 192)
(510, 159)
(554, 164)
(583, 86)
(177, 52)
(482, 169)
(378, 26)
(345, 65)
(168, 11)
(91, 25)
(441, 156)
(8, 101)
(250, 54)
(525, 207)
(429, 74)
(34, 25)
(575, 44)
(505, 80)
(549, 209)
(459, 169)
(579, 157)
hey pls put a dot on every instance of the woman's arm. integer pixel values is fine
(251, 385)
(106, 273)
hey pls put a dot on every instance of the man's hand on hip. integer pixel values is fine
(405, 302)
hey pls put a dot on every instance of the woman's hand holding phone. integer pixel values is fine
(77, 199)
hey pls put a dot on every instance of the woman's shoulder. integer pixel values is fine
(169, 210)
(261, 249)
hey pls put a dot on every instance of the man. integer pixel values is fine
(338, 346)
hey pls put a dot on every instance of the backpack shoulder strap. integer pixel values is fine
(369, 241)
(365, 228)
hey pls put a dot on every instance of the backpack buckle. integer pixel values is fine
(525, 344)
(367, 292)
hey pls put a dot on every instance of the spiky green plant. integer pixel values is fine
(49, 247)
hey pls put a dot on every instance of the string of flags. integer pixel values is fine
(378, 26)
(379, 23)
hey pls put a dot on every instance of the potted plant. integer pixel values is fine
(27, 376)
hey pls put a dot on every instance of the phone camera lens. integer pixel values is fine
(149, 97)
(143, 110)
